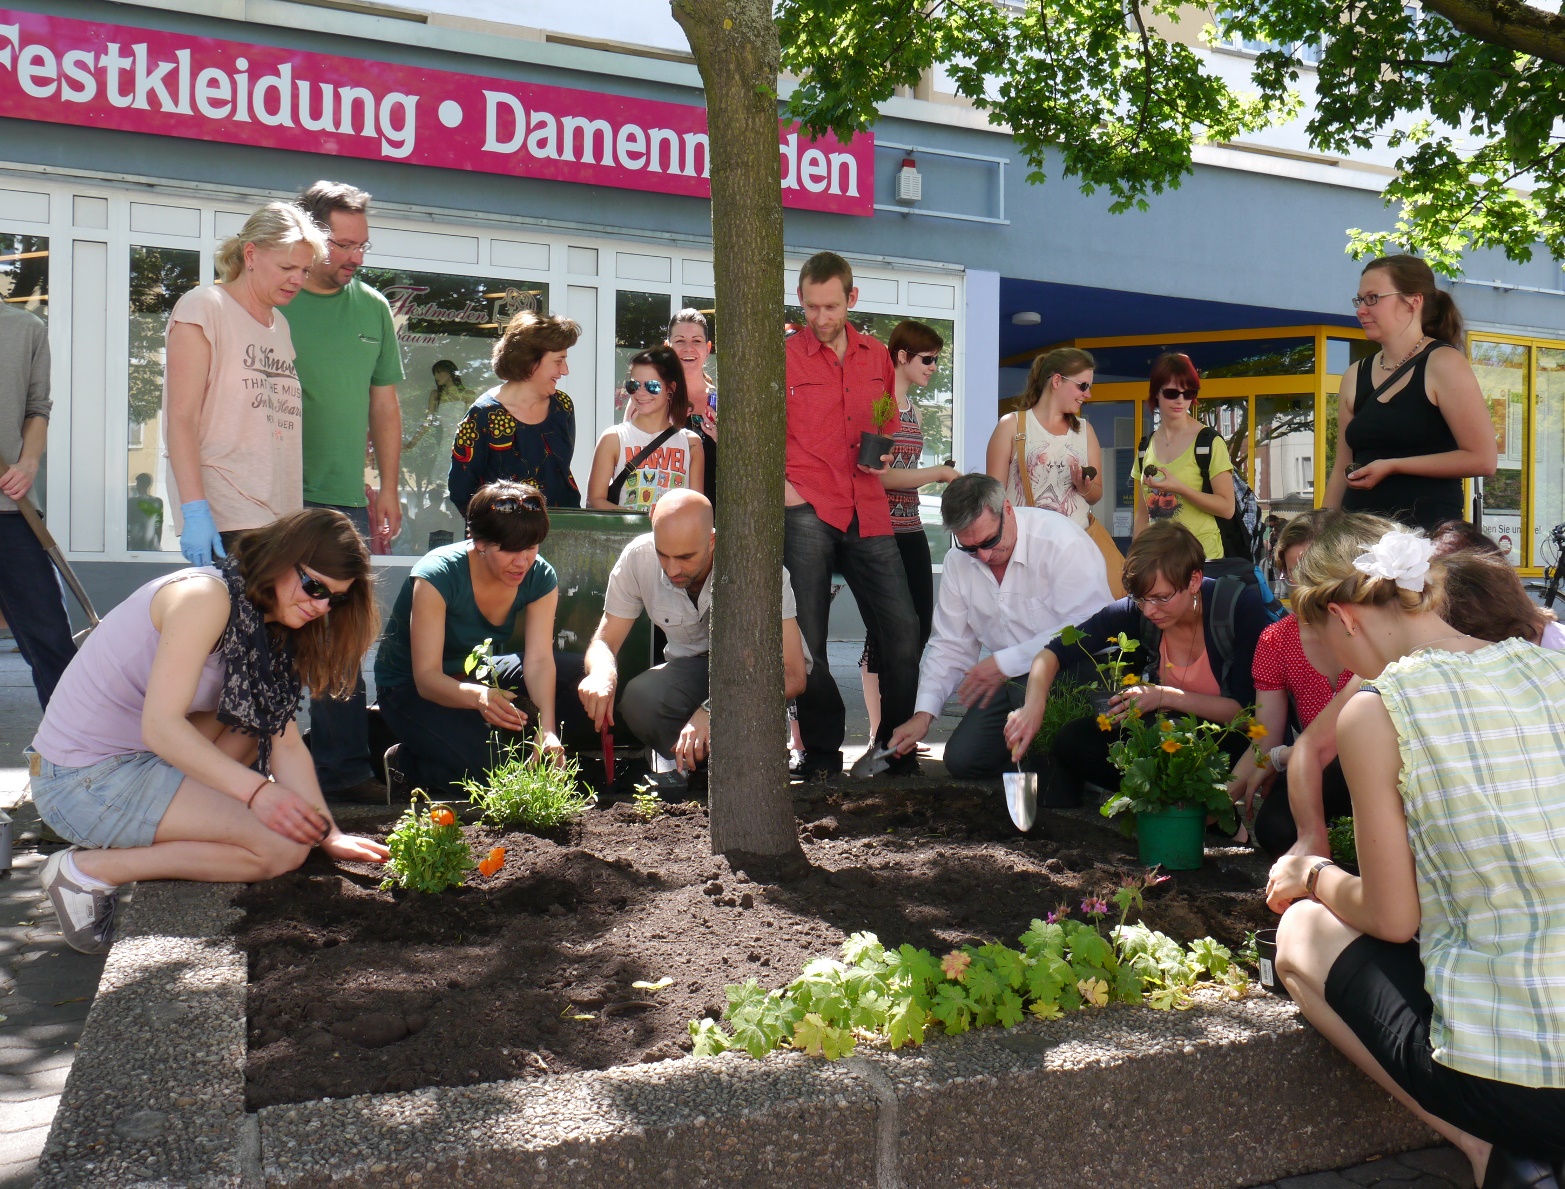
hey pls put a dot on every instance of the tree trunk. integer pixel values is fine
(736, 49)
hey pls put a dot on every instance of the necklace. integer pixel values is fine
(1197, 638)
(1427, 644)
(1391, 367)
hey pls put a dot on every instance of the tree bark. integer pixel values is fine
(1512, 24)
(736, 49)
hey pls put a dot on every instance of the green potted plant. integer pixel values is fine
(1114, 672)
(1173, 775)
(1068, 701)
(874, 446)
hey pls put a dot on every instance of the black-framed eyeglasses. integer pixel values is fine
(1373, 299)
(350, 249)
(928, 360)
(653, 387)
(989, 544)
(1155, 600)
(1172, 393)
(315, 589)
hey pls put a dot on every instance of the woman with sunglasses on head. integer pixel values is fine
(1412, 422)
(650, 452)
(492, 587)
(1063, 458)
(690, 338)
(1438, 970)
(145, 754)
(1169, 610)
(1169, 469)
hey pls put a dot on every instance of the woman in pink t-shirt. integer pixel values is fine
(232, 406)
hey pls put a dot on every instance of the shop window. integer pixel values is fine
(1502, 374)
(640, 321)
(446, 327)
(1284, 471)
(159, 277)
(1548, 464)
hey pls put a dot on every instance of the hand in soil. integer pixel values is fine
(352, 848)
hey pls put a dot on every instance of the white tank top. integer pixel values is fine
(666, 468)
(1048, 458)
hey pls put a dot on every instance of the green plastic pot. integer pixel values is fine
(1172, 838)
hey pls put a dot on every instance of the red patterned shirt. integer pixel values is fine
(1280, 663)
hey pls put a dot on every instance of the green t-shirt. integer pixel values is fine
(446, 569)
(1166, 505)
(345, 342)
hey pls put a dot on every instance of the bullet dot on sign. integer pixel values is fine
(450, 113)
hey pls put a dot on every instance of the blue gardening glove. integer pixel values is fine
(200, 540)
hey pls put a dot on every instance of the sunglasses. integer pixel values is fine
(1084, 385)
(315, 589)
(653, 387)
(928, 360)
(989, 544)
(1177, 393)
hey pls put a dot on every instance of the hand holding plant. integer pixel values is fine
(494, 704)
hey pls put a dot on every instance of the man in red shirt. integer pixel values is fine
(838, 518)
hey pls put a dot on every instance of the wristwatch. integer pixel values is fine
(707, 706)
(1314, 875)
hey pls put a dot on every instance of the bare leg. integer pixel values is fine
(1309, 941)
(871, 683)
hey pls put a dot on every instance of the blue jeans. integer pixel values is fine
(872, 566)
(339, 727)
(33, 603)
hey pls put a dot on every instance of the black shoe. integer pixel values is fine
(366, 792)
(1506, 1171)
(903, 765)
(398, 790)
(814, 768)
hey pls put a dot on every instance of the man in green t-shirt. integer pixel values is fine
(345, 344)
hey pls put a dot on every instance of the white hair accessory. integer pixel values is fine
(1399, 555)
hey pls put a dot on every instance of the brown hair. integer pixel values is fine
(1326, 573)
(672, 372)
(527, 338)
(693, 316)
(1453, 536)
(328, 651)
(1412, 277)
(914, 338)
(1483, 597)
(510, 516)
(822, 266)
(1173, 367)
(1062, 361)
(1167, 548)
(1301, 530)
(321, 199)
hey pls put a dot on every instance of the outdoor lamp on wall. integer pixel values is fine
(1026, 318)
(910, 184)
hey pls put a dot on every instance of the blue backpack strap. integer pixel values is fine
(1225, 603)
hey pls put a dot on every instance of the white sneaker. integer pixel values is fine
(86, 915)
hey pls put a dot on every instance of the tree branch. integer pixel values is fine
(1146, 64)
(1512, 24)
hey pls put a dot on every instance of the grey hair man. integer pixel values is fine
(1015, 578)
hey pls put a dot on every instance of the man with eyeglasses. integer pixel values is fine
(1015, 578)
(349, 366)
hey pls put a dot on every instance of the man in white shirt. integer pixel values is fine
(1016, 577)
(666, 574)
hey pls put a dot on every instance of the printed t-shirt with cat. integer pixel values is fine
(251, 429)
(1165, 505)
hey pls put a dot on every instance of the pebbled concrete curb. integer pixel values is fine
(1228, 1094)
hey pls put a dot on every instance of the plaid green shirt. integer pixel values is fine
(1482, 740)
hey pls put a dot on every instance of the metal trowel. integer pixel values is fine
(1021, 797)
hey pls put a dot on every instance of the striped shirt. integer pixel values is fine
(1483, 786)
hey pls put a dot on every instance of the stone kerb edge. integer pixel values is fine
(1231, 1094)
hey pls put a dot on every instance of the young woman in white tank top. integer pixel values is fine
(1064, 461)
(657, 401)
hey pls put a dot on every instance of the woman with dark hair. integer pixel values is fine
(1484, 598)
(492, 587)
(1438, 969)
(1412, 422)
(1169, 470)
(690, 338)
(1061, 452)
(525, 428)
(650, 453)
(146, 749)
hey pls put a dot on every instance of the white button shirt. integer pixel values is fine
(1055, 577)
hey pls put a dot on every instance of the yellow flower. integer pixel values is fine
(1135, 712)
(1131, 679)
(1105, 723)
(1165, 725)
(1171, 745)
(1256, 730)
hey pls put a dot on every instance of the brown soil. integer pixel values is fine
(354, 990)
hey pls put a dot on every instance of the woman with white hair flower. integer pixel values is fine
(1440, 969)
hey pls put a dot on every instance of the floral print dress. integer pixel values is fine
(491, 444)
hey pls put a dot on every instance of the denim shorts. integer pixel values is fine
(115, 802)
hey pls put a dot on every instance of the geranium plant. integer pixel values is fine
(1116, 671)
(1166, 762)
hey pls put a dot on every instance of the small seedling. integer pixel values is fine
(883, 410)
(647, 802)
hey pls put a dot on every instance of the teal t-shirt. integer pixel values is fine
(446, 569)
(345, 343)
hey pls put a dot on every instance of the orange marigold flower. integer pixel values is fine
(1256, 730)
(1105, 723)
(442, 816)
(1165, 725)
(1131, 679)
(1171, 745)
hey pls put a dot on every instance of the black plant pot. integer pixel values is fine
(1266, 950)
(872, 446)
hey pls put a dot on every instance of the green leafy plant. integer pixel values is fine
(1344, 844)
(1068, 701)
(1166, 762)
(428, 852)
(875, 993)
(1113, 673)
(647, 802)
(479, 663)
(883, 410)
(529, 790)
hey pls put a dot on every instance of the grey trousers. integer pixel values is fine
(657, 704)
(976, 749)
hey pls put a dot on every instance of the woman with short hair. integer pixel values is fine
(232, 405)
(524, 428)
(1438, 970)
(146, 749)
(1169, 465)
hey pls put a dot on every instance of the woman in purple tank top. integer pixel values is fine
(144, 757)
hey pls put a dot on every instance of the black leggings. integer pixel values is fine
(1082, 749)
(1275, 831)
(914, 547)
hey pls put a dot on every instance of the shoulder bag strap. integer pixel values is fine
(618, 485)
(1203, 456)
(1019, 452)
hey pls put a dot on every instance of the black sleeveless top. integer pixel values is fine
(1405, 426)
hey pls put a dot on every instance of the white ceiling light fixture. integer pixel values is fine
(1026, 318)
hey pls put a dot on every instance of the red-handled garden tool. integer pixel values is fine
(607, 735)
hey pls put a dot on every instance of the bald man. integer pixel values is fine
(666, 574)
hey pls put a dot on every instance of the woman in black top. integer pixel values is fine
(1412, 422)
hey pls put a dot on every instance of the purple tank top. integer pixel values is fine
(95, 713)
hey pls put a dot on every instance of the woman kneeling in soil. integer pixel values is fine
(1439, 970)
(145, 751)
(451, 724)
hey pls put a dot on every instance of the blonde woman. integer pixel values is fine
(231, 399)
(1438, 970)
(1064, 460)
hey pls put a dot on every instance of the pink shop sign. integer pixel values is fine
(167, 84)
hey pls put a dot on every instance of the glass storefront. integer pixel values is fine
(1501, 369)
(1548, 463)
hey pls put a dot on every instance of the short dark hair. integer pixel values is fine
(695, 317)
(324, 197)
(913, 337)
(1173, 367)
(1165, 547)
(823, 266)
(969, 497)
(527, 338)
(1463, 536)
(511, 516)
